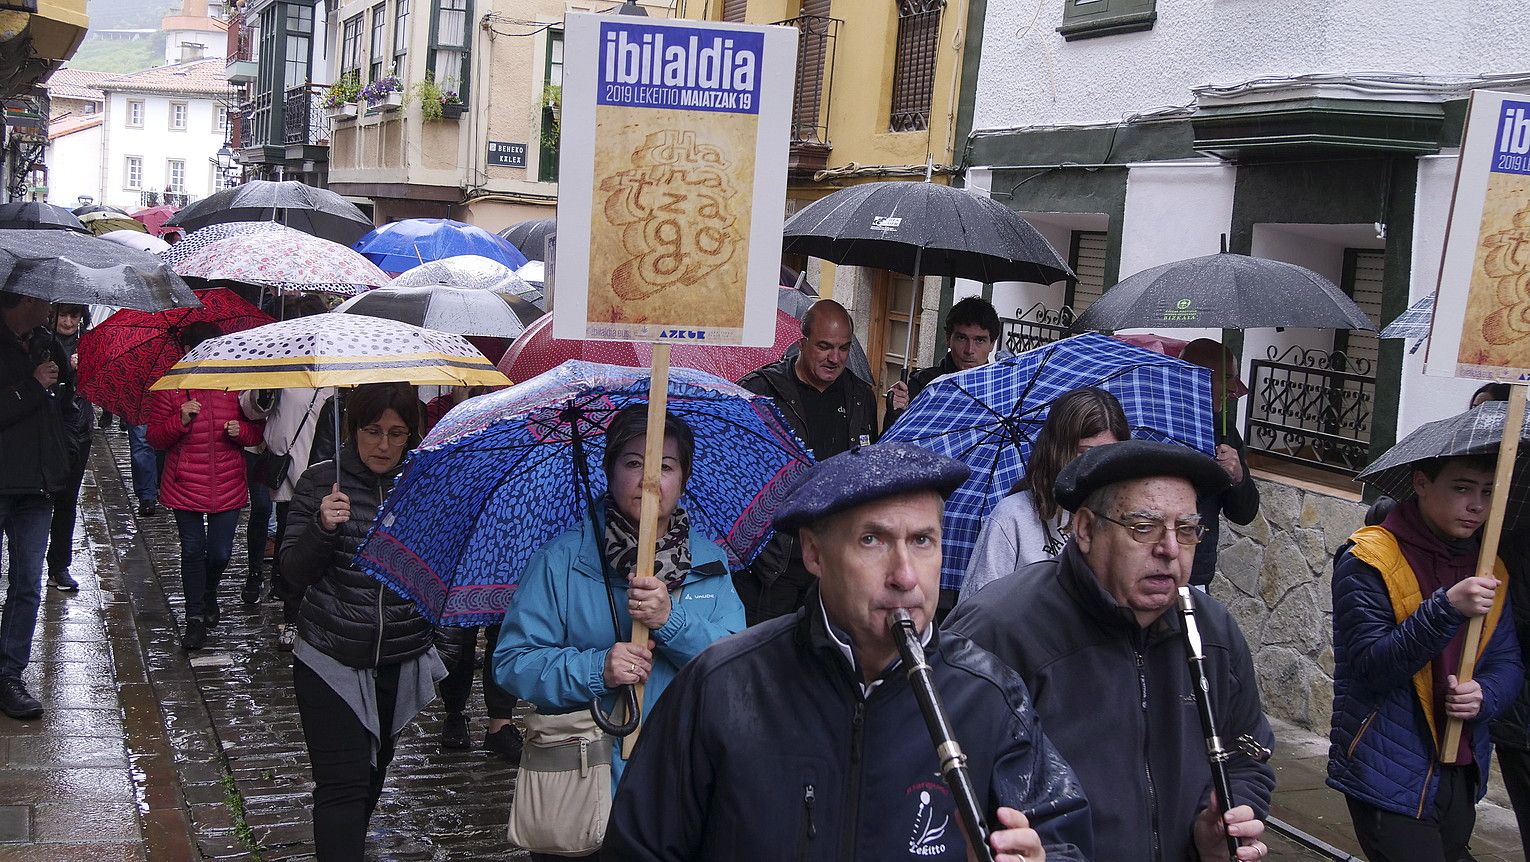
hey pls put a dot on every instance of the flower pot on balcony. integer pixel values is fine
(452, 112)
(346, 111)
(391, 102)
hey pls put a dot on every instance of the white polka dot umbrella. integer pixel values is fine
(332, 350)
(270, 254)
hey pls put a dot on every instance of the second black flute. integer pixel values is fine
(1216, 752)
(953, 763)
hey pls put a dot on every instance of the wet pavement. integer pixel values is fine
(148, 754)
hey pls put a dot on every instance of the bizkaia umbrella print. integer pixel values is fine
(505, 473)
(35, 215)
(987, 418)
(65, 266)
(403, 245)
(281, 258)
(315, 211)
(121, 356)
(1223, 291)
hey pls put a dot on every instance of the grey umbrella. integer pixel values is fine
(473, 272)
(1413, 323)
(1478, 431)
(311, 210)
(531, 236)
(458, 310)
(35, 215)
(64, 266)
(1223, 291)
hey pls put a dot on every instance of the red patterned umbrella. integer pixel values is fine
(536, 351)
(130, 350)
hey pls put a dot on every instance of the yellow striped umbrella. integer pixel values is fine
(332, 350)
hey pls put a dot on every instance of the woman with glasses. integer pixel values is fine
(203, 435)
(365, 660)
(1028, 526)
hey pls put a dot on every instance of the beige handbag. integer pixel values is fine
(563, 791)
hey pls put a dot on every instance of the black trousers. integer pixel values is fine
(1515, 766)
(66, 506)
(255, 529)
(279, 587)
(346, 785)
(1442, 834)
(458, 684)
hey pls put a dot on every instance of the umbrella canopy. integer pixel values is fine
(80, 212)
(1413, 323)
(924, 228)
(473, 272)
(279, 257)
(331, 350)
(1224, 291)
(464, 311)
(987, 417)
(195, 242)
(154, 218)
(534, 273)
(537, 352)
(65, 266)
(403, 245)
(315, 211)
(105, 222)
(35, 215)
(495, 481)
(1478, 431)
(123, 355)
(531, 236)
(135, 240)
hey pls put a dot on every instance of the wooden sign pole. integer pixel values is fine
(1513, 424)
(648, 524)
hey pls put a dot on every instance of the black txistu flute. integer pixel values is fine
(1216, 752)
(953, 763)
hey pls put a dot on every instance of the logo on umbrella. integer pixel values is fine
(1184, 309)
(886, 224)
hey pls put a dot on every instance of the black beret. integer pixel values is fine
(864, 474)
(1135, 459)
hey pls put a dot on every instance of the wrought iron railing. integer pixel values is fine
(244, 129)
(304, 119)
(1312, 407)
(1035, 327)
(814, 88)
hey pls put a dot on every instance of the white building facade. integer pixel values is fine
(162, 129)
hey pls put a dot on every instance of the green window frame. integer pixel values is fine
(400, 36)
(376, 55)
(451, 48)
(1086, 19)
(552, 76)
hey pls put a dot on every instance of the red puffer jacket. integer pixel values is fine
(204, 467)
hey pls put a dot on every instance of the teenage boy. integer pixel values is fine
(1403, 592)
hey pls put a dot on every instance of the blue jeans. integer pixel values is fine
(207, 542)
(147, 462)
(262, 510)
(26, 520)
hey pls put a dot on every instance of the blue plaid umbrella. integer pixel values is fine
(987, 417)
(496, 480)
(403, 245)
(1413, 323)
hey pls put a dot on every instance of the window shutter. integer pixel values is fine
(812, 55)
(734, 10)
(1088, 262)
(914, 64)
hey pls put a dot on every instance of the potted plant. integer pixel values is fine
(451, 105)
(384, 94)
(552, 99)
(436, 102)
(552, 115)
(340, 98)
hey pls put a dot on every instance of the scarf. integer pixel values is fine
(672, 559)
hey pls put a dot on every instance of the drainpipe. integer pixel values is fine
(106, 136)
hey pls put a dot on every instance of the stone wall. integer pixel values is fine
(1275, 576)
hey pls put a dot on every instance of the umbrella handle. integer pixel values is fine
(604, 722)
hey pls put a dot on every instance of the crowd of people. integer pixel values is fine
(778, 717)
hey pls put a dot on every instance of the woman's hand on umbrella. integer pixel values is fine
(189, 411)
(648, 601)
(334, 510)
(628, 664)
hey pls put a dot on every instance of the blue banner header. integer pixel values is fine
(680, 68)
(1512, 154)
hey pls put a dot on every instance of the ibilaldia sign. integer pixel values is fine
(672, 180)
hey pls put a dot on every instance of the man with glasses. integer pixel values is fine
(1096, 636)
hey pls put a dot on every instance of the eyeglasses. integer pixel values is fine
(395, 436)
(1152, 532)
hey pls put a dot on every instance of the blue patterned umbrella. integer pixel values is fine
(1413, 323)
(987, 417)
(403, 245)
(496, 480)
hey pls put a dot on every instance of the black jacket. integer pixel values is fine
(83, 422)
(1240, 504)
(35, 445)
(1116, 700)
(916, 383)
(346, 613)
(764, 748)
(1512, 728)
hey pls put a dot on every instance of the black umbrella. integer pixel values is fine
(1224, 291)
(35, 215)
(64, 266)
(530, 237)
(923, 229)
(98, 208)
(311, 210)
